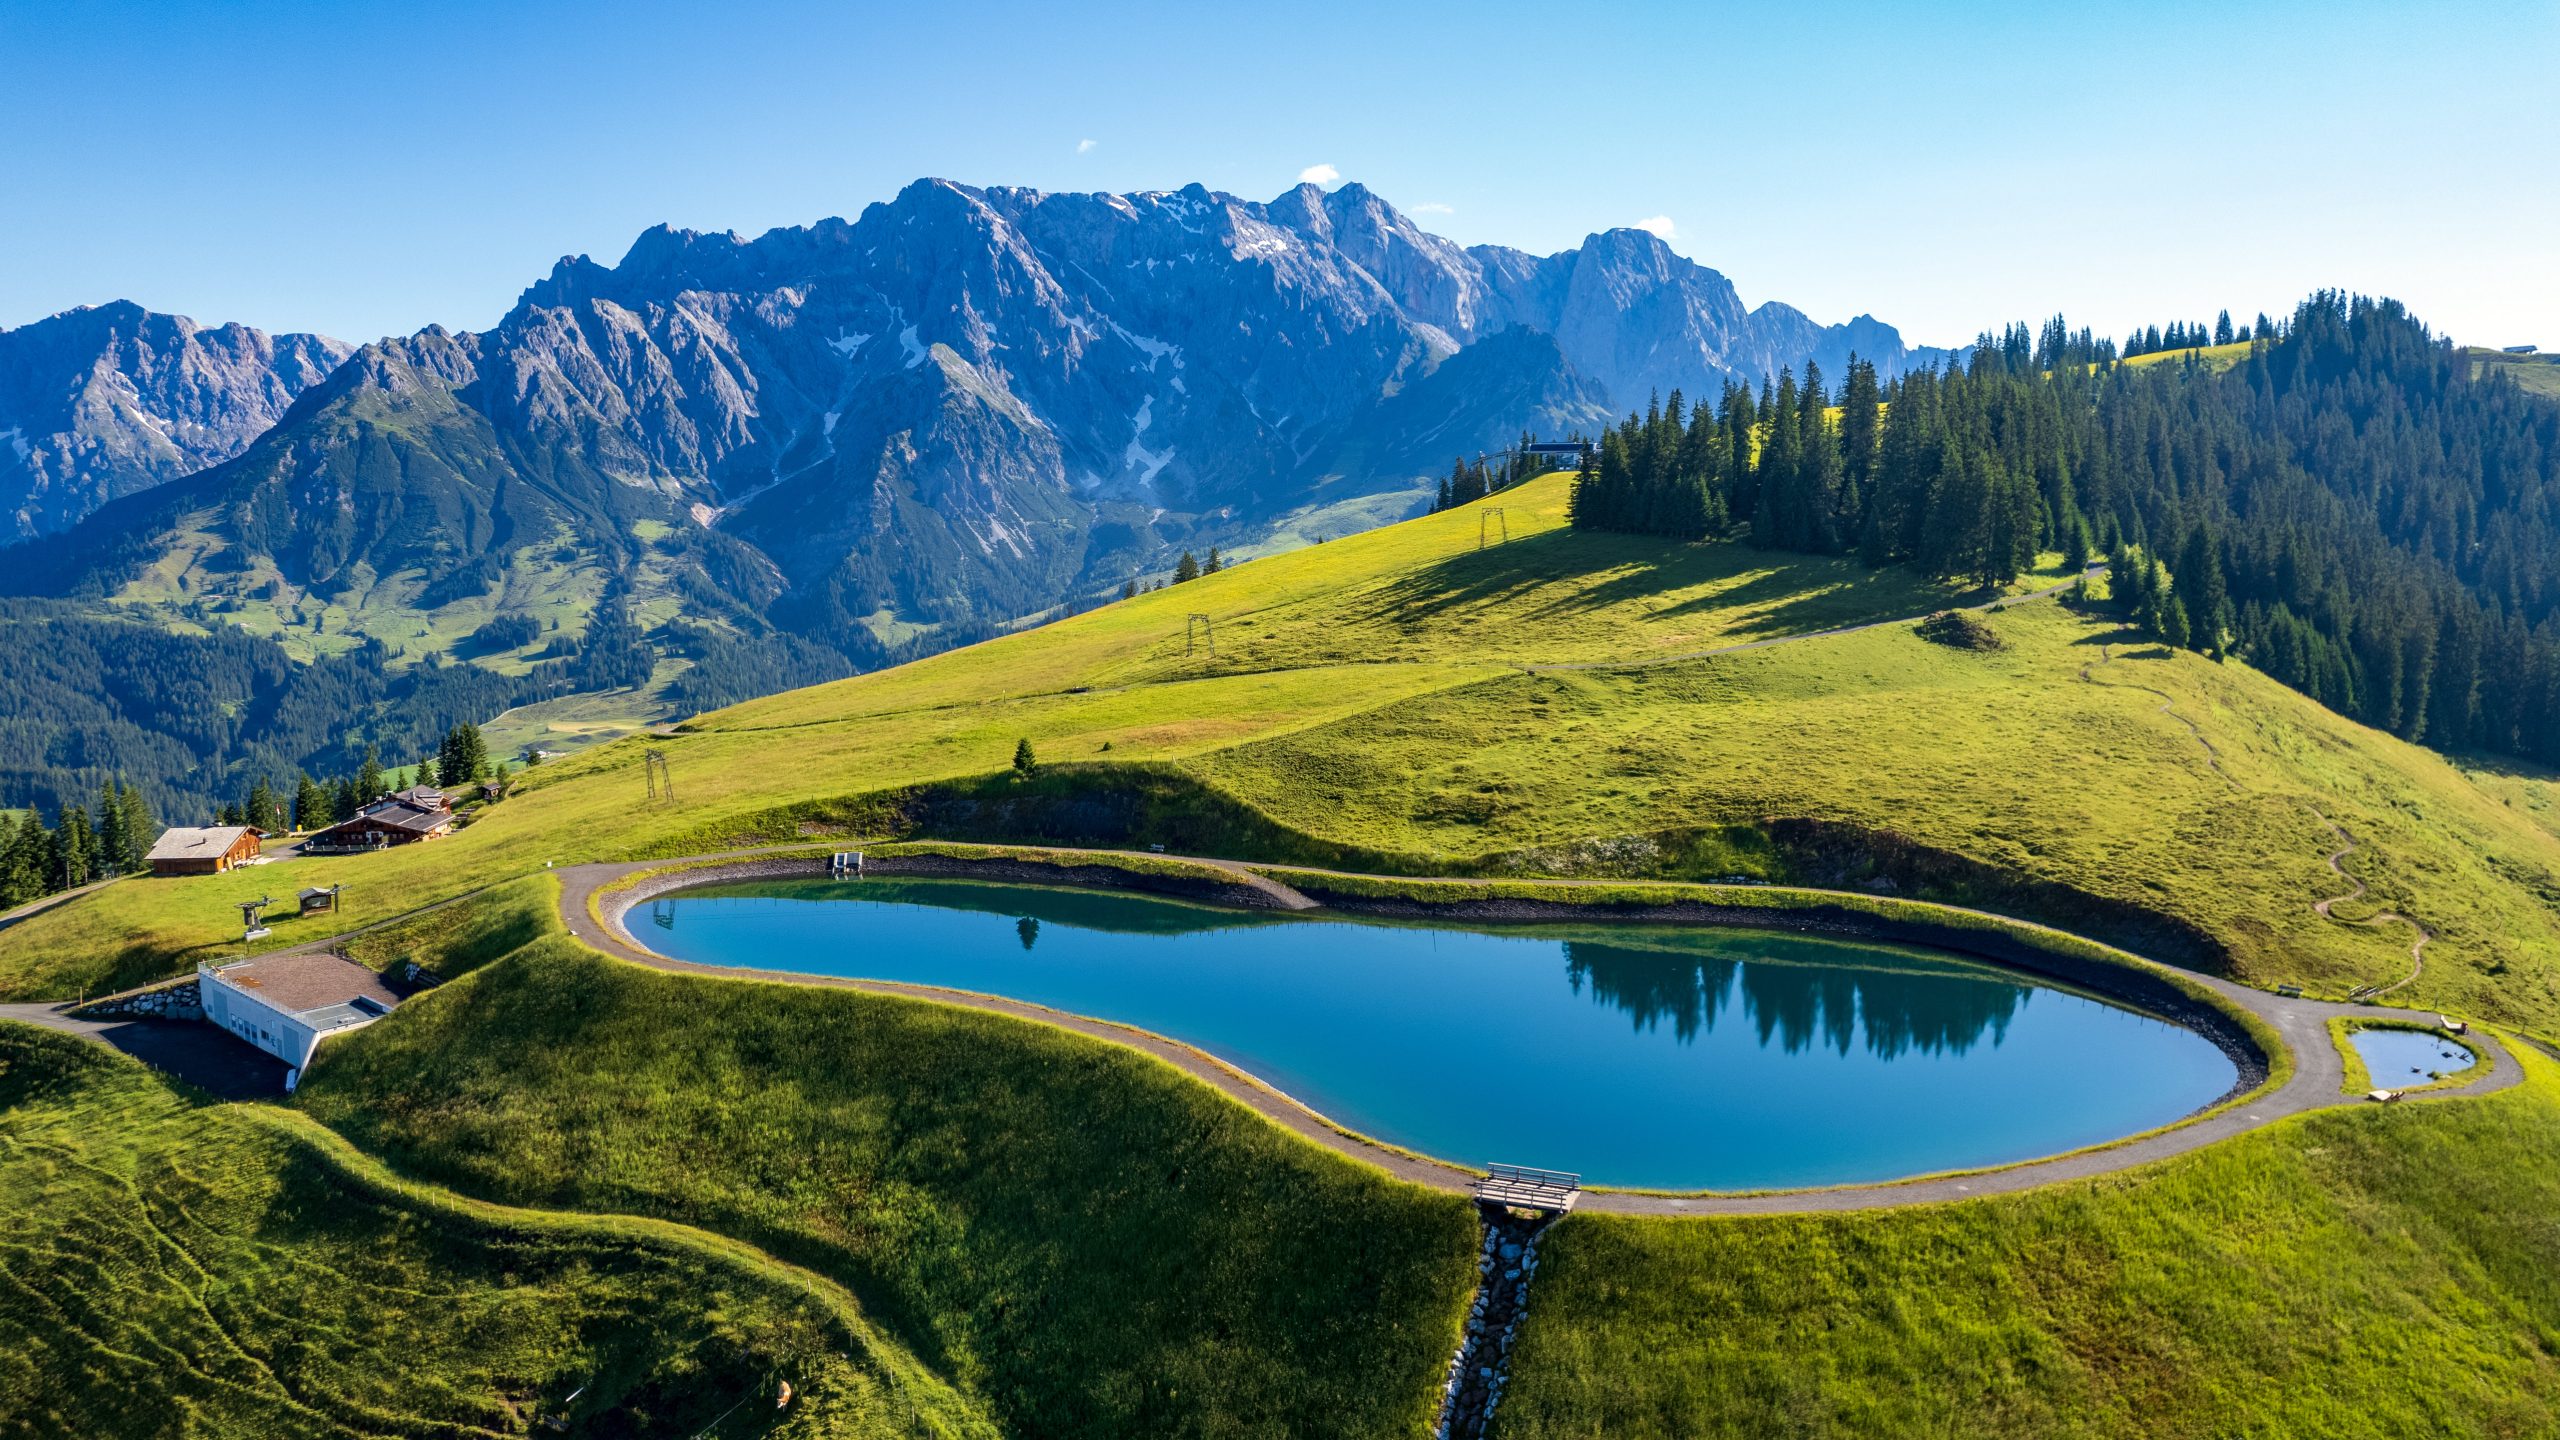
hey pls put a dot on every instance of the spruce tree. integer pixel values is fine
(75, 847)
(370, 781)
(141, 828)
(1023, 759)
(310, 804)
(1187, 570)
(111, 839)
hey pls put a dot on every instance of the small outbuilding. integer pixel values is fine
(202, 849)
(287, 1004)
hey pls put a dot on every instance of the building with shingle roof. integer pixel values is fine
(201, 849)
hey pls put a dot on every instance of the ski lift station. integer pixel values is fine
(286, 1005)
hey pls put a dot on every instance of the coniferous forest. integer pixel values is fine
(2346, 507)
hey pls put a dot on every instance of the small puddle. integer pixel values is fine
(2402, 1059)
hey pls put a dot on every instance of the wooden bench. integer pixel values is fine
(1528, 1188)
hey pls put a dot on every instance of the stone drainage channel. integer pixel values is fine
(1482, 1366)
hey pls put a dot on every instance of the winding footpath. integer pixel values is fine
(2336, 858)
(2316, 1083)
(2337, 866)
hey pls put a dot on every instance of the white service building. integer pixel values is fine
(287, 1004)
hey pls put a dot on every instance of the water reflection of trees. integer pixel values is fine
(1797, 1005)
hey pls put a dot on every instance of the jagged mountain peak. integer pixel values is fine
(957, 407)
(101, 401)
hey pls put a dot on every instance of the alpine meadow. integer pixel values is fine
(1104, 808)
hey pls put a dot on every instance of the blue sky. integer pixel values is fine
(364, 170)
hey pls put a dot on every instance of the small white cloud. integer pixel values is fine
(1318, 175)
(1659, 225)
(1084, 145)
(1435, 208)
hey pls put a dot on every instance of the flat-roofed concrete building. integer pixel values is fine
(287, 1004)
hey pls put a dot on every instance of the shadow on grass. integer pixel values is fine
(1784, 593)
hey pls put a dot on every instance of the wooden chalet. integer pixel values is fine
(201, 849)
(411, 815)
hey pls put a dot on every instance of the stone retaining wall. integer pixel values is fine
(178, 1000)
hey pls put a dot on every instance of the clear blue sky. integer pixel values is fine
(367, 169)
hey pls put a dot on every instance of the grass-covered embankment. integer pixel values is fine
(2358, 1272)
(1077, 1236)
(169, 1269)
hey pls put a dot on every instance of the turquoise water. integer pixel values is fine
(1658, 1057)
(2399, 1059)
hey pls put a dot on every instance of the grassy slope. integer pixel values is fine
(1365, 695)
(172, 1270)
(2010, 757)
(992, 1191)
(1079, 1238)
(2358, 1272)
(2539, 374)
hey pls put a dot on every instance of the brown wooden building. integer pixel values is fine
(202, 849)
(392, 820)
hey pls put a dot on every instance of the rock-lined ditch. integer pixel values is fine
(1482, 1367)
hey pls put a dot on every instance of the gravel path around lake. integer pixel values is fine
(2303, 1024)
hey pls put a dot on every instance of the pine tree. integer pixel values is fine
(1128, 589)
(310, 805)
(111, 839)
(2198, 584)
(1023, 760)
(1214, 564)
(261, 807)
(26, 866)
(1187, 570)
(370, 782)
(141, 829)
(75, 848)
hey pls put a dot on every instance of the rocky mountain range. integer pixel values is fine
(957, 410)
(105, 401)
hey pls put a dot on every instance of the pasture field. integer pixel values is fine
(1076, 1236)
(2376, 1271)
(1381, 696)
(1050, 1235)
(174, 1269)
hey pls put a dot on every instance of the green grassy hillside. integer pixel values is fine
(2538, 374)
(1080, 1242)
(1078, 1237)
(1369, 696)
(2360, 1272)
(168, 1269)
